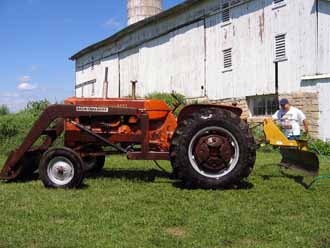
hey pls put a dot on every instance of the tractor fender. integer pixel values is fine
(197, 107)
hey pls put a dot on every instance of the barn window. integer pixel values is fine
(227, 59)
(280, 47)
(263, 105)
(225, 12)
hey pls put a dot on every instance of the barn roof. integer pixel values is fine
(113, 38)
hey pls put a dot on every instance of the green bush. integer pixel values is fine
(257, 131)
(320, 146)
(259, 136)
(36, 107)
(15, 127)
(167, 97)
(4, 110)
(8, 126)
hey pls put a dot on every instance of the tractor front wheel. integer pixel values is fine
(61, 168)
(212, 148)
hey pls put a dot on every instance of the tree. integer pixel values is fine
(4, 110)
(36, 107)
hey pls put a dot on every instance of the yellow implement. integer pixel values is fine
(295, 154)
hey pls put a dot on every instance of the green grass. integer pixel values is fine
(133, 205)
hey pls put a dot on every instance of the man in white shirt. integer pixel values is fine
(290, 119)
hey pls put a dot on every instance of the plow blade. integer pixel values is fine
(302, 161)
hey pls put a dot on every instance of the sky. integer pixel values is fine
(37, 37)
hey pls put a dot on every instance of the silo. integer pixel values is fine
(138, 10)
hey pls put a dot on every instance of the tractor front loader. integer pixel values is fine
(295, 153)
(209, 146)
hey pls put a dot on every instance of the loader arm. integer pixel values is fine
(13, 166)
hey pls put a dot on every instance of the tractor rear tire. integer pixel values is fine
(61, 168)
(212, 148)
(252, 155)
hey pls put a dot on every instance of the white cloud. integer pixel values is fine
(24, 78)
(26, 86)
(25, 83)
(112, 23)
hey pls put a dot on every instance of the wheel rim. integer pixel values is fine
(213, 152)
(60, 170)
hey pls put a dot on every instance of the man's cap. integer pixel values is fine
(284, 101)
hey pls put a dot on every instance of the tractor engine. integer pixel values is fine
(122, 129)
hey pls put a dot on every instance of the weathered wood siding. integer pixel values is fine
(190, 57)
(112, 63)
(323, 68)
(324, 38)
(163, 56)
(249, 35)
(298, 20)
(174, 62)
(184, 53)
(324, 103)
(129, 70)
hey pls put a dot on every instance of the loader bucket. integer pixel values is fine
(23, 168)
(23, 162)
(299, 160)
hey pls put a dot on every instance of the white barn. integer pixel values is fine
(247, 51)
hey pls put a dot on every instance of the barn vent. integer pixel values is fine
(225, 12)
(280, 47)
(227, 58)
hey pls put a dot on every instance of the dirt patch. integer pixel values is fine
(323, 242)
(250, 241)
(176, 231)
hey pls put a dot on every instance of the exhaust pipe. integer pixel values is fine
(134, 82)
(105, 83)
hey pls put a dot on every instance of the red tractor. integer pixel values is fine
(209, 146)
